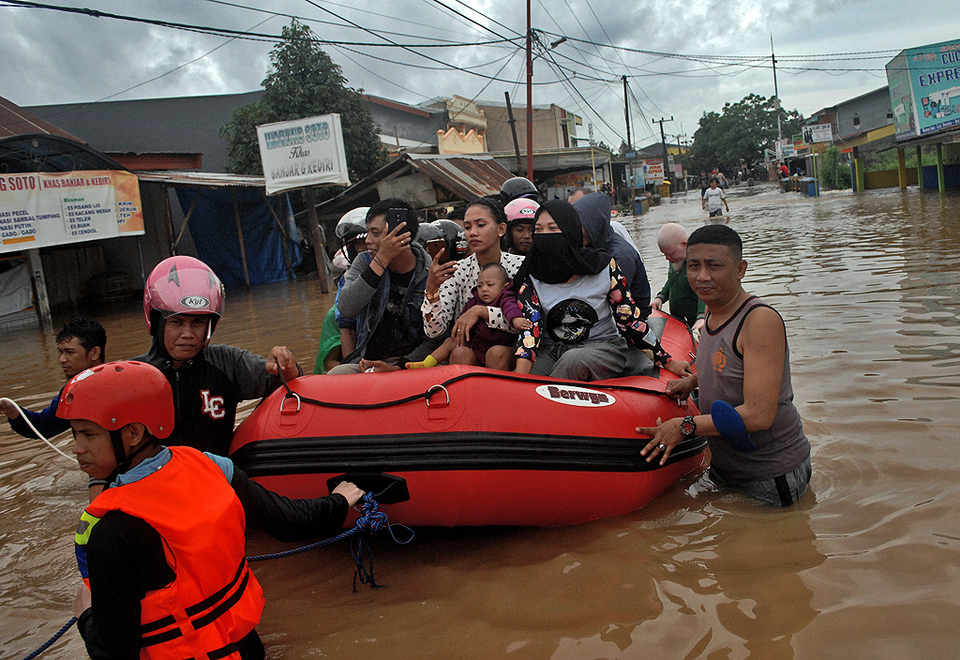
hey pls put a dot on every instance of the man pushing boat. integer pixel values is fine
(183, 302)
(744, 379)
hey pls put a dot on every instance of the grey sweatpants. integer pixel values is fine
(587, 360)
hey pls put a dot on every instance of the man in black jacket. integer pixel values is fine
(182, 302)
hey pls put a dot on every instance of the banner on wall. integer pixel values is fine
(45, 209)
(303, 152)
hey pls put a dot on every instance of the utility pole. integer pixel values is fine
(663, 141)
(626, 113)
(776, 96)
(513, 129)
(680, 158)
(529, 172)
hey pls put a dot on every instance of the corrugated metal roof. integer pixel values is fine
(468, 177)
(200, 179)
(465, 176)
(15, 121)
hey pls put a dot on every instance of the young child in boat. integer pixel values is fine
(493, 290)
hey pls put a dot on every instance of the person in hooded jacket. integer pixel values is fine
(578, 301)
(182, 302)
(594, 212)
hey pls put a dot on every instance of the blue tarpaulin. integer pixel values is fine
(213, 227)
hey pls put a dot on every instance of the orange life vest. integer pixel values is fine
(215, 600)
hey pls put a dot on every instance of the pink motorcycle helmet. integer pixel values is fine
(182, 285)
(520, 210)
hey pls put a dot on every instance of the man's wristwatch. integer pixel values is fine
(688, 427)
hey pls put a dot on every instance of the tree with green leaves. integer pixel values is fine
(304, 81)
(742, 130)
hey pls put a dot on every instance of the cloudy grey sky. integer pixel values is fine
(681, 58)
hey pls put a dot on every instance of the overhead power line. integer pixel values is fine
(253, 36)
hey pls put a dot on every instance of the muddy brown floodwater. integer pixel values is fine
(866, 566)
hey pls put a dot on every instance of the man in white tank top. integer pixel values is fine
(743, 361)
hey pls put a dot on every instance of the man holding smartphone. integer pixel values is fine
(384, 289)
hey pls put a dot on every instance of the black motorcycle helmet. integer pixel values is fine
(518, 187)
(454, 238)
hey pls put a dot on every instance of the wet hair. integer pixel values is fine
(384, 205)
(87, 331)
(717, 235)
(496, 211)
(501, 271)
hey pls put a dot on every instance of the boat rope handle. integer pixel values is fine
(450, 381)
(34, 429)
(434, 388)
(370, 521)
(290, 395)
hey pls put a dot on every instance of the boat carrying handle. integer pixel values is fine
(385, 488)
(290, 395)
(434, 388)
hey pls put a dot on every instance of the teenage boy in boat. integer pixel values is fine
(161, 551)
(684, 304)
(182, 302)
(384, 290)
(81, 344)
(744, 361)
(519, 236)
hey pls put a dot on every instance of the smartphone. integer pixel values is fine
(397, 217)
(435, 246)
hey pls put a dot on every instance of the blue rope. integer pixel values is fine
(52, 640)
(370, 521)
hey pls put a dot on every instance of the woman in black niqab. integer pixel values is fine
(579, 305)
(559, 256)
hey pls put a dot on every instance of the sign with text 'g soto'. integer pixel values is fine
(41, 209)
(303, 152)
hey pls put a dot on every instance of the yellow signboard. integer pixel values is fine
(54, 208)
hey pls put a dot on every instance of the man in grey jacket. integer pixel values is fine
(384, 291)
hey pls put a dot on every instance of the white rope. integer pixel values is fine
(34, 429)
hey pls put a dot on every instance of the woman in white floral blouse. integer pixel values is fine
(449, 284)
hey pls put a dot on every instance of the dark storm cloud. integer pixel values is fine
(53, 57)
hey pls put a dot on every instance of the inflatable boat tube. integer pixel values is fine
(475, 446)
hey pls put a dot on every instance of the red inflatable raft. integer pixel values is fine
(475, 446)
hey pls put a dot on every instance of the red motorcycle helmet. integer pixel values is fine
(182, 285)
(120, 393)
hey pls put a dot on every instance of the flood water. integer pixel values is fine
(867, 565)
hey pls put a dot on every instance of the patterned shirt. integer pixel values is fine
(456, 291)
(626, 314)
